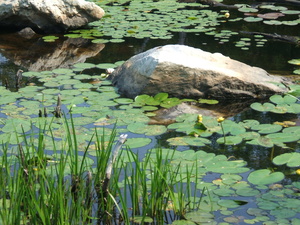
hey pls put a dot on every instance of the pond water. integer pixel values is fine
(254, 43)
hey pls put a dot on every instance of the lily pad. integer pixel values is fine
(150, 130)
(188, 140)
(230, 140)
(290, 159)
(137, 142)
(264, 177)
(294, 62)
(267, 128)
(266, 107)
(287, 99)
(199, 217)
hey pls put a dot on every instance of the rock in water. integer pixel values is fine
(188, 72)
(47, 16)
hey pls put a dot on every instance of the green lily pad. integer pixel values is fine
(283, 137)
(247, 191)
(83, 66)
(230, 140)
(137, 142)
(224, 192)
(161, 96)
(170, 102)
(262, 141)
(199, 217)
(266, 107)
(17, 125)
(123, 100)
(146, 100)
(294, 62)
(287, 99)
(253, 19)
(283, 213)
(183, 222)
(150, 130)
(264, 177)
(208, 101)
(236, 166)
(188, 140)
(267, 128)
(106, 65)
(290, 159)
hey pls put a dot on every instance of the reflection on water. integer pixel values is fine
(37, 55)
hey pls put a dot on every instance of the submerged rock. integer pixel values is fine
(188, 72)
(53, 16)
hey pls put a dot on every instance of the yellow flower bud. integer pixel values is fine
(220, 119)
(227, 15)
(298, 171)
(200, 118)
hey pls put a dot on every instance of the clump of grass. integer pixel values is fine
(36, 188)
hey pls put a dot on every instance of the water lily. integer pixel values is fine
(220, 119)
(200, 118)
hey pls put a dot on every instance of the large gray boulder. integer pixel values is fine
(188, 72)
(48, 16)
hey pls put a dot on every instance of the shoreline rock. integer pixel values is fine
(55, 16)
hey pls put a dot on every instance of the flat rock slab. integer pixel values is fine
(47, 16)
(188, 72)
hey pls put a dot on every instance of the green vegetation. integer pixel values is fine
(55, 170)
(62, 161)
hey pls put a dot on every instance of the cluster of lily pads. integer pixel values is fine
(95, 104)
(161, 19)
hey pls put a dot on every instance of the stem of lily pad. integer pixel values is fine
(223, 132)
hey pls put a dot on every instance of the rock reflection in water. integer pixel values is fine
(36, 55)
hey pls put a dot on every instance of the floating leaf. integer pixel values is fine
(161, 97)
(291, 159)
(183, 222)
(137, 142)
(294, 62)
(208, 101)
(106, 65)
(262, 141)
(267, 128)
(150, 130)
(266, 107)
(230, 140)
(146, 100)
(123, 100)
(188, 140)
(283, 213)
(170, 102)
(283, 137)
(83, 66)
(199, 217)
(264, 177)
(287, 99)
(252, 19)
(247, 191)
(236, 166)
(17, 125)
